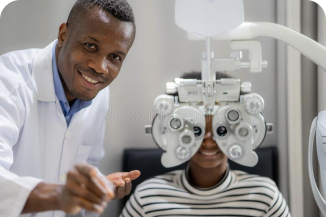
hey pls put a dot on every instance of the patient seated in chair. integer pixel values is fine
(207, 187)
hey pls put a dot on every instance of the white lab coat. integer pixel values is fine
(35, 143)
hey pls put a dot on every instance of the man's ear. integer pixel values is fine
(63, 34)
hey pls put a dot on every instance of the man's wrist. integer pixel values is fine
(44, 197)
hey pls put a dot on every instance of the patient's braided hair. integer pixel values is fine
(120, 9)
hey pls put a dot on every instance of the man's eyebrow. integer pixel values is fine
(94, 39)
(121, 53)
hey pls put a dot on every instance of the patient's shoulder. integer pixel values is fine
(254, 184)
(243, 177)
(169, 179)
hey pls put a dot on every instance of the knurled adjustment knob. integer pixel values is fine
(183, 153)
(236, 151)
(254, 105)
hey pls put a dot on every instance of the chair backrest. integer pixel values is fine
(148, 161)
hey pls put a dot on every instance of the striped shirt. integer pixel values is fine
(238, 194)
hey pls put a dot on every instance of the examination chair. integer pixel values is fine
(148, 161)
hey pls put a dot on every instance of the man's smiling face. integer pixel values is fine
(90, 55)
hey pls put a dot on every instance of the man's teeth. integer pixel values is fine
(208, 153)
(90, 80)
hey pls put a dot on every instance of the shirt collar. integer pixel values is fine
(59, 91)
(222, 185)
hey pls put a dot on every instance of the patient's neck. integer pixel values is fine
(206, 178)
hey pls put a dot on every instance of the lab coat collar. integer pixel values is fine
(43, 74)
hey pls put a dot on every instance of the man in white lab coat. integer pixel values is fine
(52, 106)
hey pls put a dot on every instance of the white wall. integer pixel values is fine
(160, 53)
(32, 23)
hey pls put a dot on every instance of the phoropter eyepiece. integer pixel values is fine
(221, 131)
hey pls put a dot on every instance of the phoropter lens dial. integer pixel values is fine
(175, 123)
(243, 131)
(233, 116)
(186, 138)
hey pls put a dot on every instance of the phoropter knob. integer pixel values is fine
(236, 151)
(163, 104)
(254, 105)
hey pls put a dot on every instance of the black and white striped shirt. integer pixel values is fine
(239, 194)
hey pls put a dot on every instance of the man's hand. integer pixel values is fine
(84, 189)
(122, 182)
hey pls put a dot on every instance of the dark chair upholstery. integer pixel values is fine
(148, 161)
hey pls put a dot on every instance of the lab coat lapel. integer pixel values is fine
(43, 74)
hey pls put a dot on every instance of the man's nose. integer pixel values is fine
(100, 65)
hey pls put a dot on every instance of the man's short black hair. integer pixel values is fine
(197, 75)
(120, 9)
